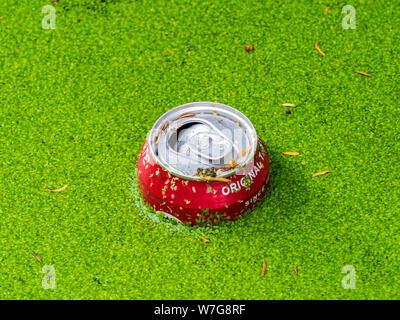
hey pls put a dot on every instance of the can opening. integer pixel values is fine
(202, 135)
(206, 143)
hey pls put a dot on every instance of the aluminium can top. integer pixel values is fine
(202, 139)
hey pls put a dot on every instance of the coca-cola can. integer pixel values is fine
(203, 163)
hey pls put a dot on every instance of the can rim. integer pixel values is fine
(160, 122)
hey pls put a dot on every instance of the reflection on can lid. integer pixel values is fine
(203, 138)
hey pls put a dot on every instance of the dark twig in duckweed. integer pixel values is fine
(295, 270)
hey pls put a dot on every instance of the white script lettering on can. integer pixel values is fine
(236, 186)
(146, 157)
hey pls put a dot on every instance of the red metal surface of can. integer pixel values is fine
(203, 163)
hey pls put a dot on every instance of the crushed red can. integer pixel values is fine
(203, 163)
